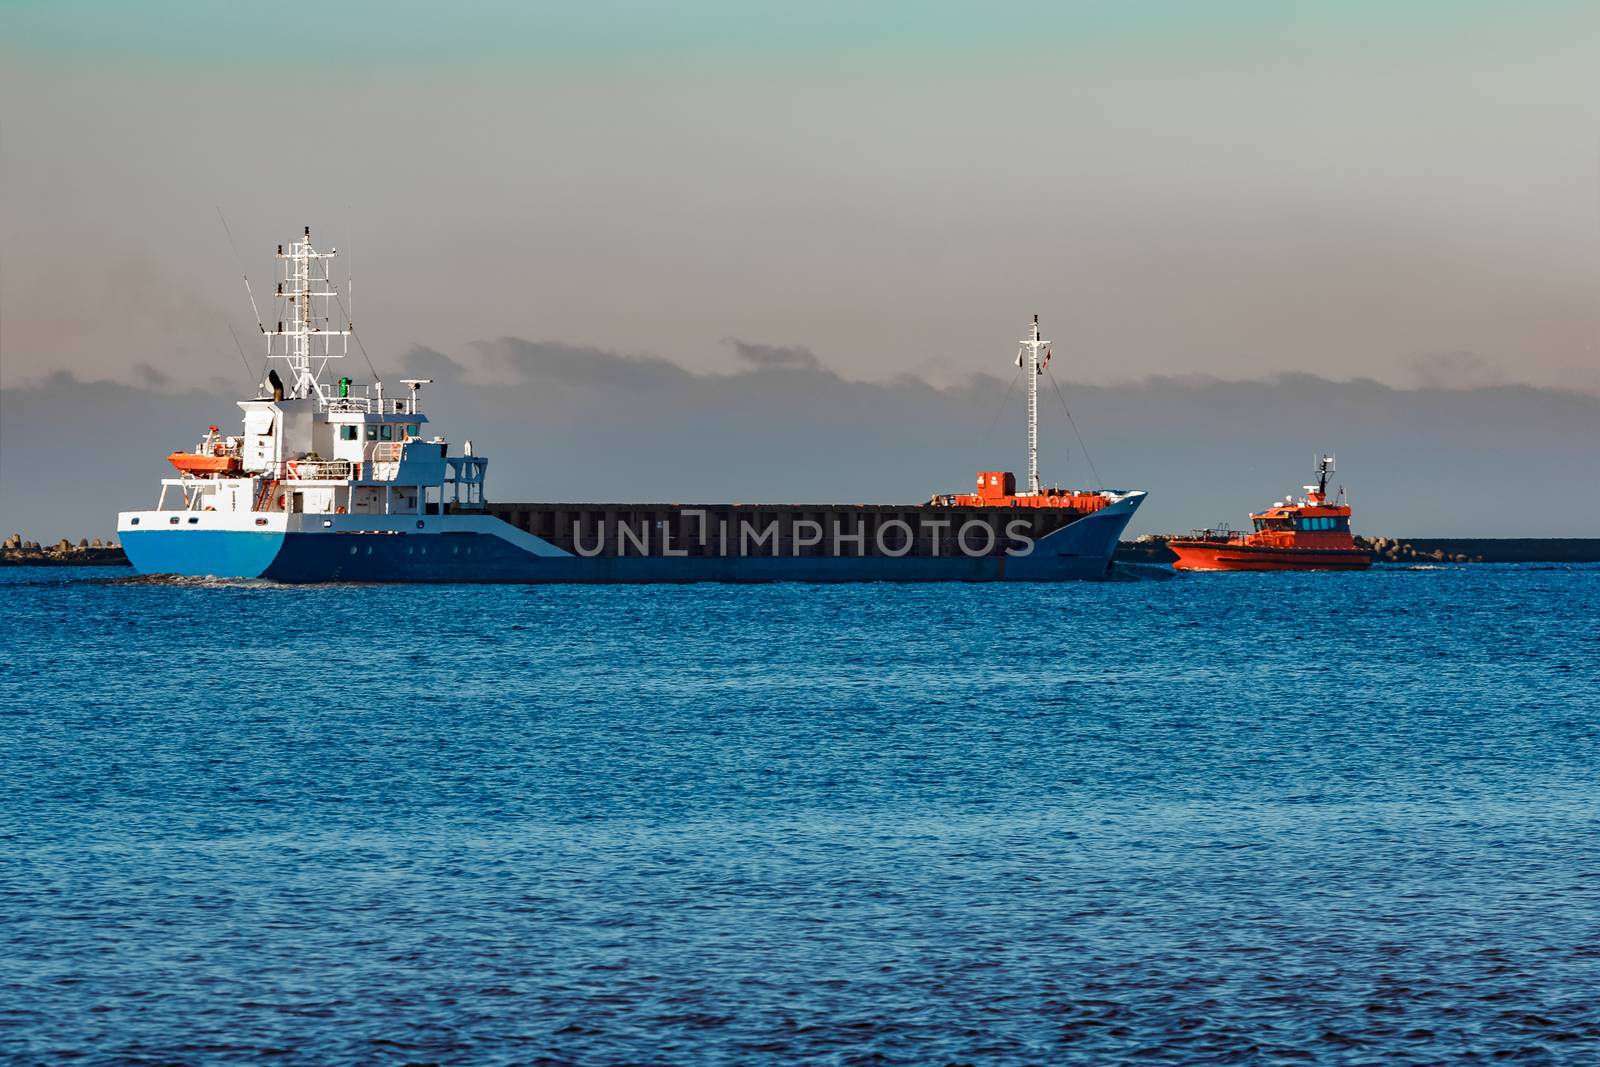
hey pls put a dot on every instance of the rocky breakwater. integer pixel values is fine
(16, 552)
(1393, 550)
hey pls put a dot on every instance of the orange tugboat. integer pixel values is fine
(1309, 535)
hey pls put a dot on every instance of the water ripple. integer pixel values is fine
(1215, 819)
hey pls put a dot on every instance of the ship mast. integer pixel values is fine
(1324, 468)
(302, 321)
(1030, 355)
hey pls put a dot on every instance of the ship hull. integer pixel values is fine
(1221, 556)
(483, 548)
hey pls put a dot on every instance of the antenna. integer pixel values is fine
(415, 385)
(247, 292)
(1324, 468)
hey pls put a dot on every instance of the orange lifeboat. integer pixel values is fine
(201, 463)
(1310, 535)
(212, 456)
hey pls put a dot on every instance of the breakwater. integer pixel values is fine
(15, 551)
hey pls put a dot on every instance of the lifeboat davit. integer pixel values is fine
(1312, 534)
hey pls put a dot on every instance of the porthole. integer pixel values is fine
(173, 521)
(327, 522)
(369, 550)
(133, 522)
(193, 520)
(261, 522)
(352, 550)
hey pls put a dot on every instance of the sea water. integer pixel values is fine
(1347, 818)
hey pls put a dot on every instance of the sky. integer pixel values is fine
(1198, 199)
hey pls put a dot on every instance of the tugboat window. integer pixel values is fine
(347, 433)
(372, 433)
(386, 432)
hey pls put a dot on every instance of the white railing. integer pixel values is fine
(305, 470)
(371, 405)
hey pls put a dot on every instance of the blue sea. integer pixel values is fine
(1323, 818)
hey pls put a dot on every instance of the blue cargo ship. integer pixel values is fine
(328, 482)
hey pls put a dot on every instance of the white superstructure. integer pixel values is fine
(318, 447)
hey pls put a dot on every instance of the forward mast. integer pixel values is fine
(1029, 354)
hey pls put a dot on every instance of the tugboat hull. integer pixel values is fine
(1223, 556)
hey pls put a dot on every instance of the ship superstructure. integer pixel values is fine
(330, 481)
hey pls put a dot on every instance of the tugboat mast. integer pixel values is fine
(301, 320)
(1324, 468)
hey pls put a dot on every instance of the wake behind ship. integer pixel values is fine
(328, 484)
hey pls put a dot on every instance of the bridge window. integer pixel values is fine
(372, 433)
(386, 432)
(347, 433)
